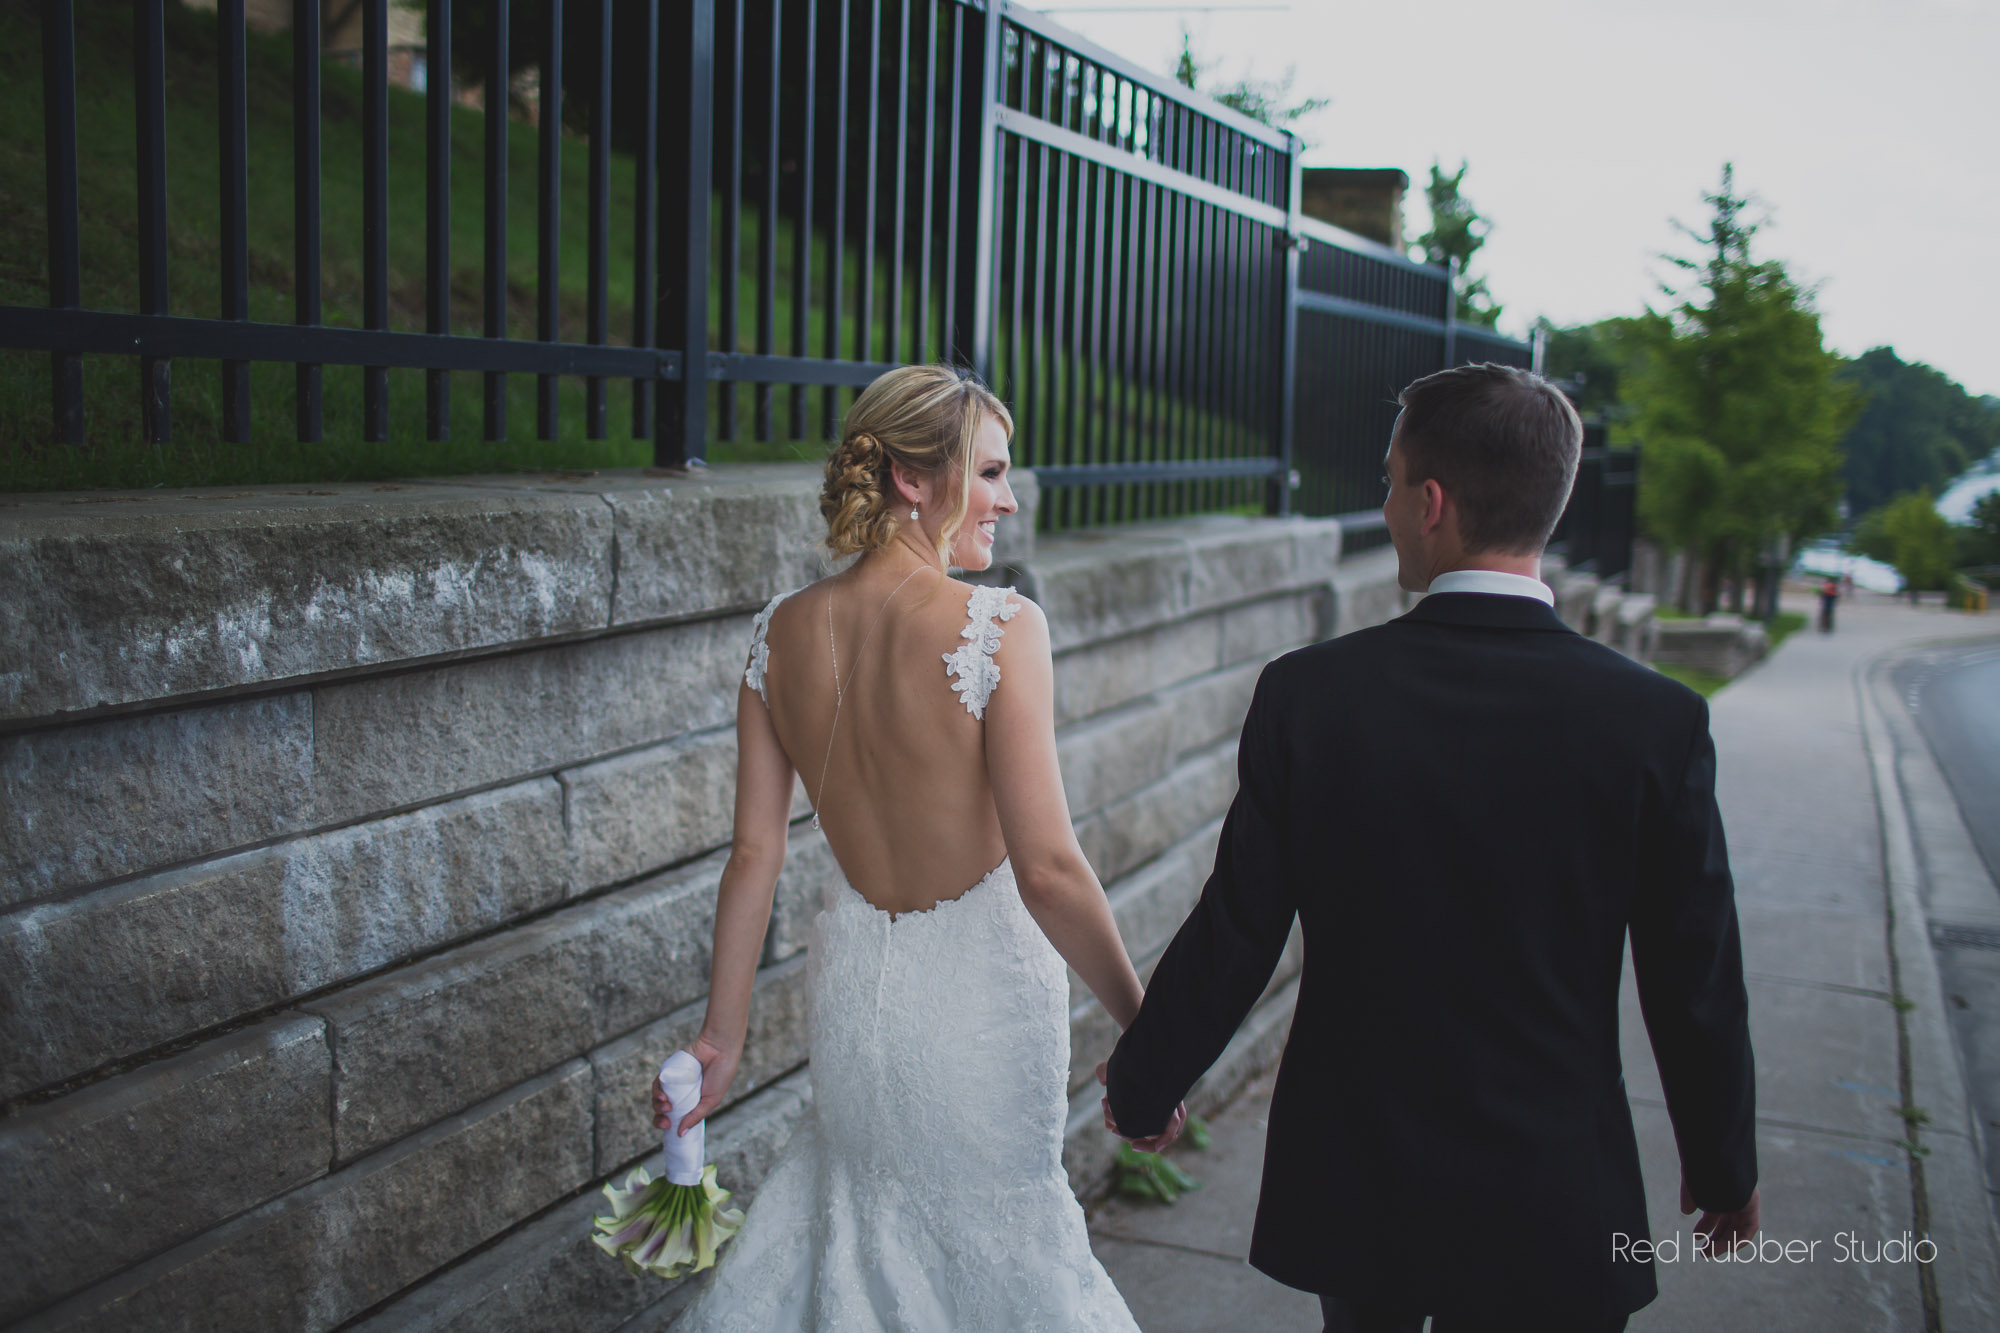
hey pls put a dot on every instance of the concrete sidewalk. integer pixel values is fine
(1830, 800)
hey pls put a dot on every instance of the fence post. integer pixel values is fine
(1295, 244)
(687, 106)
(973, 338)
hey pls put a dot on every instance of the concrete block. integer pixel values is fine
(1097, 677)
(1604, 613)
(424, 1041)
(1635, 626)
(1365, 592)
(120, 796)
(1100, 584)
(1014, 536)
(328, 1251)
(120, 970)
(397, 740)
(729, 537)
(652, 807)
(181, 594)
(1722, 645)
(1212, 707)
(1576, 594)
(100, 1179)
(805, 885)
(548, 1274)
(773, 1045)
(1115, 753)
(1259, 631)
(1132, 831)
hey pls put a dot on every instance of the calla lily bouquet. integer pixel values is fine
(672, 1225)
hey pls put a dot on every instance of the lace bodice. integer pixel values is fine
(924, 1190)
(971, 662)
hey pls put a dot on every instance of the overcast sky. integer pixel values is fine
(1869, 130)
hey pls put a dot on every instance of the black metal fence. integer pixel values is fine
(823, 189)
(1597, 529)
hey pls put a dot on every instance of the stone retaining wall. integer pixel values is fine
(360, 857)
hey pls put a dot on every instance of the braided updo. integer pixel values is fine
(922, 417)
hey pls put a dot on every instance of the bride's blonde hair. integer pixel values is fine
(923, 417)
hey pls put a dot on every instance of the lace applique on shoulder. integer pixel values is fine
(972, 662)
(760, 650)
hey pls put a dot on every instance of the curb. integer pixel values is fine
(1948, 1176)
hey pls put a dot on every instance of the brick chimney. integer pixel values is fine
(1365, 200)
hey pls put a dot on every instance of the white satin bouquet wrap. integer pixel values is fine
(675, 1224)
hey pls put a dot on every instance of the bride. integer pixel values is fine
(924, 1189)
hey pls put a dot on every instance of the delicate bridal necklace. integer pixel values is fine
(839, 688)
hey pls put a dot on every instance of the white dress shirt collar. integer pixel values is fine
(1492, 581)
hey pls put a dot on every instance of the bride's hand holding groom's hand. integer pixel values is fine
(1152, 1143)
(718, 1071)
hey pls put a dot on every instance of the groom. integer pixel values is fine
(1468, 809)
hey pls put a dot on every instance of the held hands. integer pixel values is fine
(1724, 1230)
(718, 1071)
(1155, 1143)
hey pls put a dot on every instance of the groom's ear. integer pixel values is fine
(1436, 504)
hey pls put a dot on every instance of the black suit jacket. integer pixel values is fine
(1467, 809)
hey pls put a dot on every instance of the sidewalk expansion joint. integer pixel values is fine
(1808, 984)
(1108, 1234)
(1777, 1122)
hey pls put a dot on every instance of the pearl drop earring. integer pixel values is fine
(913, 513)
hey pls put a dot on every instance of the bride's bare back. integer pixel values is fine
(933, 778)
(906, 800)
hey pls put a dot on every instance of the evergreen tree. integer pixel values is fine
(1266, 101)
(1457, 232)
(1740, 409)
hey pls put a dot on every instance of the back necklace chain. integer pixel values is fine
(840, 689)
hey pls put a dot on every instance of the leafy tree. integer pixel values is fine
(1267, 101)
(1917, 428)
(1457, 232)
(1740, 408)
(1979, 540)
(1595, 358)
(1910, 534)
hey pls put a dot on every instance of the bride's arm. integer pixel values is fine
(1057, 884)
(743, 904)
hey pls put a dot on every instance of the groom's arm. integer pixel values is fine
(1688, 961)
(1223, 956)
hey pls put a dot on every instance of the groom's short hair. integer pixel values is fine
(1504, 444)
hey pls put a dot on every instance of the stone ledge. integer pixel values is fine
(463, 725)
(120, 598)
(123, 795)
(634, 813)
(1132, 831)
(422, 1042)
(1105, 583)
(102, 1178)
(391, 1219)
(548, 1274)
(120, 970)
(774, 1045)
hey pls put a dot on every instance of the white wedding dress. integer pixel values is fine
(924, 1191)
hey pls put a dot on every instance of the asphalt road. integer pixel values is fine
(1954, 693)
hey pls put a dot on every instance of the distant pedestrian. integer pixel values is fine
(1829, 597)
